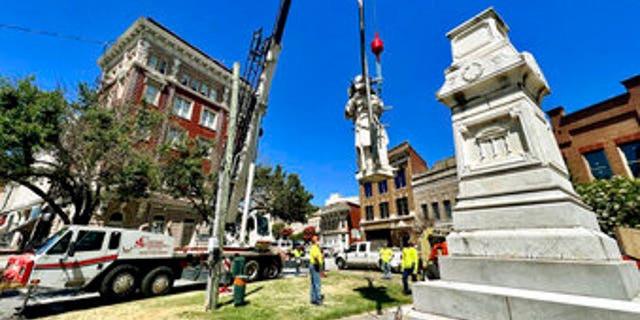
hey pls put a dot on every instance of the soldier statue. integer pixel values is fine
(372, 166)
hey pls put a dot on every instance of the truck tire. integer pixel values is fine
(120, 283)
(341, 263)
(157, 282)
(271, 271)
(252, 270)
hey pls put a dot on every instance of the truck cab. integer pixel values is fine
(116, 262)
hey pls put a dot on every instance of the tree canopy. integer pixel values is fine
(185, 176)
(616, 202)
(73, 154)
(281, 194)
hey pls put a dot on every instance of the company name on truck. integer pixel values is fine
(144, 245)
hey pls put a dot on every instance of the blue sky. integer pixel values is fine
(585, 48)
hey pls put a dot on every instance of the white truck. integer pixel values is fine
(115, 262)
(362, 255)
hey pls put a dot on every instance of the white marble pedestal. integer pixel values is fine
(524, 245)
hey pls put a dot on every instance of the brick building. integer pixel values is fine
(602, 140)
(339, 224)
(150, 65)
(387, 207)
(435, 192)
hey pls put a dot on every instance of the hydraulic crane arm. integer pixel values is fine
(268, 54)
(243, 139)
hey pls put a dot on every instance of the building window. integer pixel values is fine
(368, 213)
(185, 79)
(157, 64)
(213, 94)
(403, 206)
(383, 188)
(400, 179)
(205, 145)
(436, 210)
(447, 209)
(204, 89)
(174, 135)
(151, 94)
(598, 164)
(157, 226)
(208, 119)
(631, 151)
(368, 190)
(384, 210)
(195, 84)
(425, 211)
(115, 220)
(182, 108)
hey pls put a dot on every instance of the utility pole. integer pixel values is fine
(242, 141)
(216, 241)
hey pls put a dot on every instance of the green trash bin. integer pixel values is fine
(239, 281)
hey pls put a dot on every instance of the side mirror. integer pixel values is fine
(72, 249)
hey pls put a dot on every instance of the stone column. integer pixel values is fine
(524, 246)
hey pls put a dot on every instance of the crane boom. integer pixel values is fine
(243, 136)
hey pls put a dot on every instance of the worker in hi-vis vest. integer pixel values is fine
(297, 256)
(315, 267)
(385, 257)
(409, 265)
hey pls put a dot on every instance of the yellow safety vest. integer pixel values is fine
(315, 255)
(410, 259)
(296, 253)
(386, 254)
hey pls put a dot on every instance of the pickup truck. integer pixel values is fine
(362, 255)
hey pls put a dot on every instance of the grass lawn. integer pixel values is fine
(346, 293)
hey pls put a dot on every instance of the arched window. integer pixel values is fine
(115, 220)
(157, 226)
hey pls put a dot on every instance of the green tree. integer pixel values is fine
(73, 154)
(186, 175)
(616, 202)
(281, 194)
(276, 228)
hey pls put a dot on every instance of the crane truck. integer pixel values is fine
(119, 262)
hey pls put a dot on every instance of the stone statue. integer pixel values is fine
(371, 166)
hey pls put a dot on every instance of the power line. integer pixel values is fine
(104, 44)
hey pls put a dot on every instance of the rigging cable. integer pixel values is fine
(104, 44)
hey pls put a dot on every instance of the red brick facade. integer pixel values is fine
(603, 131)
(392, 212)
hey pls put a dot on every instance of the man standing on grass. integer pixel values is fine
(297, 256)
(409, 265)
(315, 267)
(385, 256)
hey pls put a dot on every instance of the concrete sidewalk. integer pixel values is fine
(396, 313)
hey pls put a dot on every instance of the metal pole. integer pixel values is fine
(367, 84)
(216, 241)
(247, 203)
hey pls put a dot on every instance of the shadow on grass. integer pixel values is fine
(220, 305)
(377, 294)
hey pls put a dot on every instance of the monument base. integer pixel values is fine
(375, 174)
(442, 300)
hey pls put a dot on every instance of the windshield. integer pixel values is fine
(51, 241)
(263, 226)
